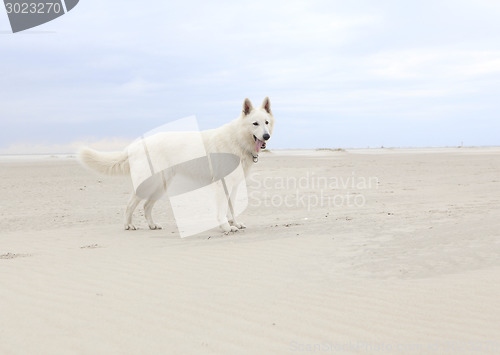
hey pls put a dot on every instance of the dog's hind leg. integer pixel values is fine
(159, 190)
(148, 208)
(132, 204)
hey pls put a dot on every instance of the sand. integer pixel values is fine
(357, 251)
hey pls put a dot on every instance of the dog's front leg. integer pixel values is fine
(232, 219)
(222, 212)
(224, 223)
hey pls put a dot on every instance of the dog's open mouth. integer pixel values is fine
(259, 144)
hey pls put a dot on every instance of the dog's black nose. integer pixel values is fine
(266, 136)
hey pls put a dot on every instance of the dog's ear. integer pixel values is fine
(266, 105)
(247, 107)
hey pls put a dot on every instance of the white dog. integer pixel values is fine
(243, 137)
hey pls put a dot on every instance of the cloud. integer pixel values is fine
(120, 68)
(432, 63)
(139, 86)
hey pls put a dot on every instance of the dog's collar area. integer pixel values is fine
(255, 157)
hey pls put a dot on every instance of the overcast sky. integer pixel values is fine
(339, 73)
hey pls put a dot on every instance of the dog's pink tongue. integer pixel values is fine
(258, 144)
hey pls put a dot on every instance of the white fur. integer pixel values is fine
(235, 137)
(108, 163)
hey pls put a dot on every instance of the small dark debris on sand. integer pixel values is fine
(91, 246)
(13, 256)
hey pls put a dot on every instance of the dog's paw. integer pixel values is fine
(232, 229)
(155, 226)
(226, 228)
(130, 227)
(239, 225)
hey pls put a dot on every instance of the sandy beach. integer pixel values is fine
(357, 252)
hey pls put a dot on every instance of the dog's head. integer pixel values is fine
(259, 122)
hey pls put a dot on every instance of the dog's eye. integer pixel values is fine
(256, 123)
(267, 122)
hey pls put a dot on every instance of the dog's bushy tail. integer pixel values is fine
(109, 163)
